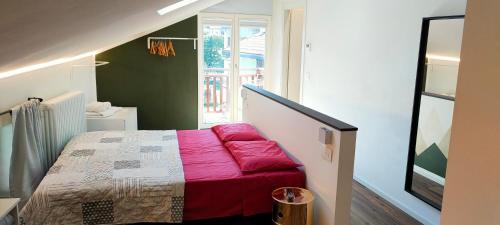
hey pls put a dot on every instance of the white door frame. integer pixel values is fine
(285, 54)
(234, 70)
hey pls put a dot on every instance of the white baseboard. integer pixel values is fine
(429, 175)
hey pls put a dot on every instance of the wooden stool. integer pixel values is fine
(292, 206)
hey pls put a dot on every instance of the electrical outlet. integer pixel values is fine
(327, 153)
(325, 136)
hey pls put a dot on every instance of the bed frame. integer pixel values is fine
(298, 129)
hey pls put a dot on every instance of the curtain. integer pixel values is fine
(28, 160)
(5, 151)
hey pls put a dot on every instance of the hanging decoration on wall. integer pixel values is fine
(163, 46)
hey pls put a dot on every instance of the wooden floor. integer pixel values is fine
(427, 189)
(367, 209)
(370, 209)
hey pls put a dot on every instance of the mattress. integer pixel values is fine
(215, 186)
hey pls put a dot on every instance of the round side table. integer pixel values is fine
(292, 206)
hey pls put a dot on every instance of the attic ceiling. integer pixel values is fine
(445, 37)
(33, 31)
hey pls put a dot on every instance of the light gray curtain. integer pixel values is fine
(5, 151)
(28, 160)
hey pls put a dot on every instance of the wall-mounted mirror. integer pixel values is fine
(434, 100)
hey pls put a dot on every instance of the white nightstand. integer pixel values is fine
(9, 206)
(125, 119)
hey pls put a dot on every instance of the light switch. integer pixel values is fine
(327, 154)
(325, 136)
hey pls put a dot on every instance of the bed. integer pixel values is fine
(115, 177)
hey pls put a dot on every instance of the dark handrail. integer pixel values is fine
(337, 124)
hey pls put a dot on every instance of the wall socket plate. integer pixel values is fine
(327, 153)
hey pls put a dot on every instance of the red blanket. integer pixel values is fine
(215, 186)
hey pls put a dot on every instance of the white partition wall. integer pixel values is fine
(471, 193)
(329, 168)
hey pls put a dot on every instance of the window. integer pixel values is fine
(234, 50)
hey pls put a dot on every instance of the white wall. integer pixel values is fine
(49, 82)
(251, 7)
(471, 194)
(362, 69)
(329, 179)
(5, 153)
(45, 83)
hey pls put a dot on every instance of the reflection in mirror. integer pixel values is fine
(433, 107)
(443, 56)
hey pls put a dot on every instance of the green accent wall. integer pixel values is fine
(433, 160)
(164, 89)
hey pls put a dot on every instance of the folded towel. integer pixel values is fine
(111, 111)
(98, 107)
(8, 220)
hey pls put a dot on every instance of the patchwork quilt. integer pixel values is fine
(112, 177)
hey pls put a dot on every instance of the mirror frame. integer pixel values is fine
(419, 87)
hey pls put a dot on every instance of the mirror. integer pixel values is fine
(434, 100)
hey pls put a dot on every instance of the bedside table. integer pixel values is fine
(292, 206)
(125, 119)
(9, 206)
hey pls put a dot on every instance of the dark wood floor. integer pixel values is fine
(367, 209)
(427, 189)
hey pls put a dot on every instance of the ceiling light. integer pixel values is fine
(175, 6)
(44, 65)
(444, 58)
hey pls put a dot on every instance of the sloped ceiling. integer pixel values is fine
(250, 7)
(33, 31)
(445, 37)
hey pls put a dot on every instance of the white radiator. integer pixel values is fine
(63, 118)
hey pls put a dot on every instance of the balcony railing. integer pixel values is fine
(216, 87)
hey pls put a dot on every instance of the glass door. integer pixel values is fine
(217, 70)
(234, 51)
(251, 55)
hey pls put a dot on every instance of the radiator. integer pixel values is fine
(63, 118)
